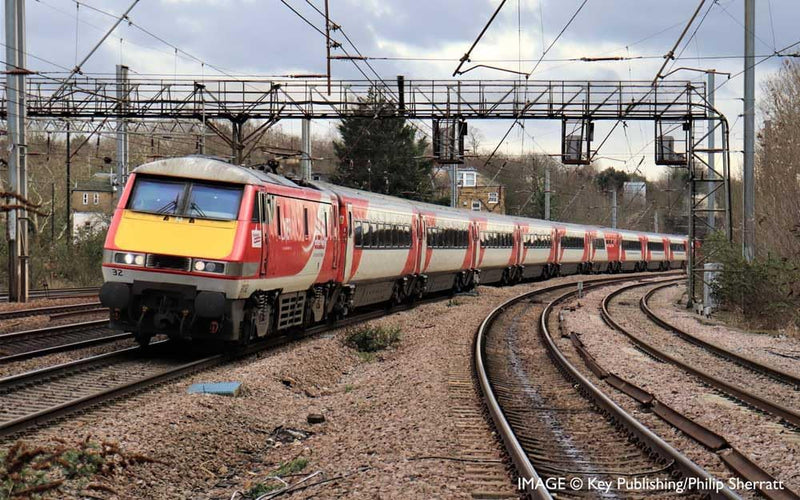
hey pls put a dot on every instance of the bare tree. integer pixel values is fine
(778, 166)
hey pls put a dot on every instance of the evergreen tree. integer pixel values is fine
(382, 154)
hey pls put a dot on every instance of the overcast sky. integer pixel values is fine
(264, 37)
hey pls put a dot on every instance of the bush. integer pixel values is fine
(766, 291)
(372, 339)
(59, 263)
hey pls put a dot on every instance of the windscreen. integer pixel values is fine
(201, 200)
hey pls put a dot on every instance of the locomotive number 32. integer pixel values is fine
(116, 272)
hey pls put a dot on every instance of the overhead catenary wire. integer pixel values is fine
(669, 55)
(693, 36)
(560, 34)
(78, 66)
(466, 56)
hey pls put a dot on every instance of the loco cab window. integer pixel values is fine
(195, 199)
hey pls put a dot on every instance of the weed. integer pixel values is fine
(453, 303)
(260, 489)
(85, 462)
(292, 467)
(372, 339)
(348, 388)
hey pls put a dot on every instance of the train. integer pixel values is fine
(200, 249)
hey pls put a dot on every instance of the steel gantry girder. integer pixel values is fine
(286, 99)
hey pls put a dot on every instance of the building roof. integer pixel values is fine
(94, 185)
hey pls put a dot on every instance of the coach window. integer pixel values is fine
(305, 222)
(359, 234)
(279, 221)
(377, 235)
(325, 222)
(367, 237)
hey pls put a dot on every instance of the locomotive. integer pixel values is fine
(200, 249)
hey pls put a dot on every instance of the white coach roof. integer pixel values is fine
(210, 169)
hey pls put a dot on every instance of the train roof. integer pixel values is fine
(212, 169)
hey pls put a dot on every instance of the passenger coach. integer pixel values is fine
(201, 249)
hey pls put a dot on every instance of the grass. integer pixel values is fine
(367, 340)
(260, 489)
(29, 471)
(285, 469)
(292, 467)
(348, 388)
(453, 303)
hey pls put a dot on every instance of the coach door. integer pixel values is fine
(335, 236)
(421, 242)
(265, 211)
(348, 241)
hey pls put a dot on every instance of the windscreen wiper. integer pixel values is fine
(196, 208)
(169, 206)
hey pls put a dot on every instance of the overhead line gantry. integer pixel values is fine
(679, 110)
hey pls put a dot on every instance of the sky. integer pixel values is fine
(424, 40)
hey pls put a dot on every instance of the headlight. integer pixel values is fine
(129, 259)
(208, 266)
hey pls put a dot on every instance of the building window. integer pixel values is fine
(85, 198)
(476, 206)
(96, 198)
(494, 197)
(469, 179)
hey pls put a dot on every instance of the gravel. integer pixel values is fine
(778, 351)
(13, 368)
(761, 437)
(388, 432)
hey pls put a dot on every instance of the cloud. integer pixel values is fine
(265, 38)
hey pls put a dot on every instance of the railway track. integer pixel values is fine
(59, 293)
(751, 364)
(41, 396)
(746, 380)
(557, 425)
(734, 460)
(54, 311)
(28, 344)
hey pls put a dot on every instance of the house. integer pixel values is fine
(92, 203)
(477, 192)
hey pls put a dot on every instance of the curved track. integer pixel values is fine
(735, 460)
(756, 366)
(658, 349)
(554, 423)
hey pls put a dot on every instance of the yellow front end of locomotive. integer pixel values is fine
(170, 235)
